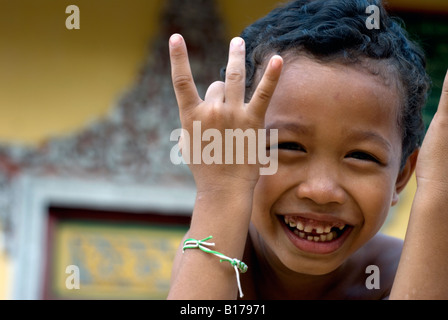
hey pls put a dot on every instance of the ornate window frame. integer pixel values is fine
(30, 216)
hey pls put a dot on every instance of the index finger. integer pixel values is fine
(186, 93)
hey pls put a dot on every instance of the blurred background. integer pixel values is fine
(85, 120)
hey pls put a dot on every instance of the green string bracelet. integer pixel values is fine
(238, 265)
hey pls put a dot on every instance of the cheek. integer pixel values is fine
(266, 192)
(375, 202)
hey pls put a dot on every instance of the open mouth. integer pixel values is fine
(313, 230)
(315, 236)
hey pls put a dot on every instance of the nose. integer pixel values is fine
(322, 185)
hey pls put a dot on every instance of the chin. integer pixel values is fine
(311, 265)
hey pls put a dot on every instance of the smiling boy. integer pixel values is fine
(346, 101)
(339, 162)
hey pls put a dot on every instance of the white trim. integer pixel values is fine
(34, 194)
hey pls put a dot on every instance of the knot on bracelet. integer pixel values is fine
(198, 244)
(202, 245)
(236, 263)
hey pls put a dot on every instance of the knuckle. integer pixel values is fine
(182, 81)
(234, 75)
(263, 94)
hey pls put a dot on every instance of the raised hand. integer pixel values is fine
(222, 108)
(432, 163)
(422, 272)
(223, 203)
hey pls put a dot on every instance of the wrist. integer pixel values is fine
(225, 186)
(434, 190)
(224, 214)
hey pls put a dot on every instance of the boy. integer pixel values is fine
(346, 100)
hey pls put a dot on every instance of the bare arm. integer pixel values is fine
(423, 269)
(224, 191)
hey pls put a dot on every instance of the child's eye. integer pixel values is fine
(364, 156)
(289, 146)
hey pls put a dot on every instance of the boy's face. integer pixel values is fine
(339, 151)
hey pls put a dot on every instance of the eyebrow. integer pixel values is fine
(289, 126)
(360, 135)
(372, 136)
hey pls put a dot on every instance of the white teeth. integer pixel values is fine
(300, 234)
(322, 233)
(322, 238)
(308, 228)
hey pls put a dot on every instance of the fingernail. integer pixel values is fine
(276, 61)
(175, 39)
(237, 42)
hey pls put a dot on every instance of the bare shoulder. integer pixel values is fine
(384, 249)
(383, 252)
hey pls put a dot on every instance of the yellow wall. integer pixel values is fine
(53, 79)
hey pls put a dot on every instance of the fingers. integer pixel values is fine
(265, 89)
(233, 89)
(235, 73)
(443, 104)
(186, 93)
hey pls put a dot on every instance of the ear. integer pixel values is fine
(404, 176)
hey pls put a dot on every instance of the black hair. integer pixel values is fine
(335, 30)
